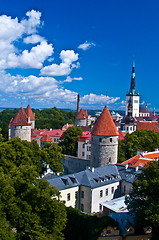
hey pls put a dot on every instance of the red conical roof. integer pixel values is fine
(82, 114)
(29, 113)
(105, 125)
(20, 118)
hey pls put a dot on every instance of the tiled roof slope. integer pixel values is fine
(148, 125)
(105, 125)
(143, 110)
(46, 138)
(82, 114)
(98, 177)
(20, 118)
(29, 113)
(142, 159)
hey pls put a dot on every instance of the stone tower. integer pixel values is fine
(81, 118)
(30, 116)
(132, 96)
(104, 141)
(20, 126)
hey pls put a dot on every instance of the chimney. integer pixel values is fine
(126, 166)
(78, 103)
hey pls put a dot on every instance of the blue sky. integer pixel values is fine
(52, 50)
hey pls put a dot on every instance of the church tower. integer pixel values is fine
(104, 141)
(132, 98)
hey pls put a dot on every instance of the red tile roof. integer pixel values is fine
(20, 118)
(82, 114)
(105, 125)
(142, 160)
(54, 133)
(85, 136)
(29, 113)
(148, 125)
(46, 138)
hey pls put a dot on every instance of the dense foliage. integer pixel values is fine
(69, 140)
(83, 226)
(145, 140)
(28, 209)
(144, 199)
(52, 155)
(45, 118)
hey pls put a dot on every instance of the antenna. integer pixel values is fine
(106, 97)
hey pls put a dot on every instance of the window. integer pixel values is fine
(106, 192)
(111, 139)
(68, 196)
(83, 154)
(100, 139)
(135, 101)
(101, 193)
(100, 207)
(88, 148)
(83, 145)
(82, 194)
(54, 139)
(109, 159)
(124, 189)
(112, 190)
(57, 140)
(92, 139)
(76, 195)
(82, 207)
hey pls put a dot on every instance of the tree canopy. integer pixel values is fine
(145, 140)
(83, 226)
(69, 141)
(52, 154)
(29, 207)
(144, 198)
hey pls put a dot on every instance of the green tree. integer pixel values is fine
(52, 155)
(69, 140)
(143, 201)
(28, 205)
(145, 140)
(83, 226)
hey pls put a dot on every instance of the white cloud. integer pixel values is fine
(33, 22)
(11, 31)
(86, 45)
(98, 99)
(69, 79)
(35, 38)
(64, 68)
(32, 59)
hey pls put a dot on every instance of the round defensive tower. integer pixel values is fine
(20, 126)
(104, 141)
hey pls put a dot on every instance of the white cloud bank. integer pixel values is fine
(16, 40)
(85, 46)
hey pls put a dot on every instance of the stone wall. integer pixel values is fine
(23, 132)
(104, 150)
(74, 164)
